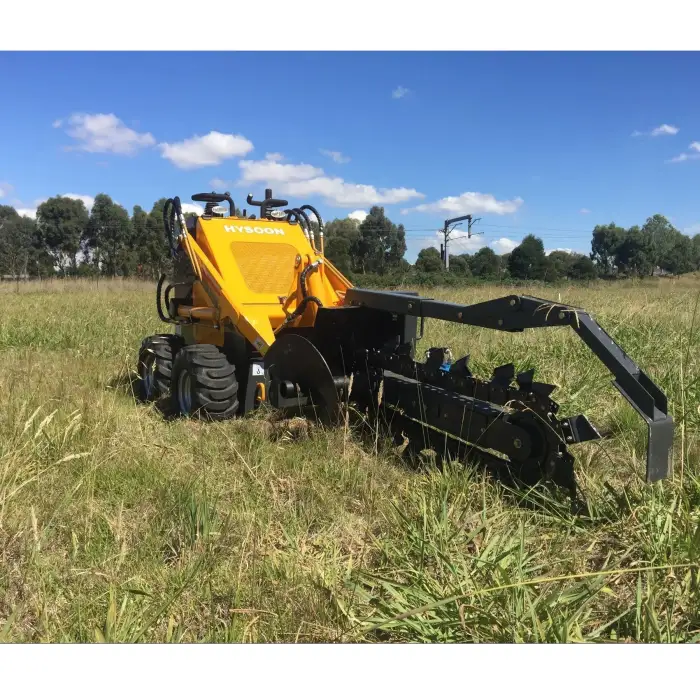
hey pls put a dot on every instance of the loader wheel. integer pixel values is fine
(155, 365)
(204, 383)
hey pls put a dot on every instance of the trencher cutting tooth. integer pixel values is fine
(524, 380)
(461, 367)
(503, 375)
(544, 390)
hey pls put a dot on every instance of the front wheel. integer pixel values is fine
(204, 383)
(155, 365)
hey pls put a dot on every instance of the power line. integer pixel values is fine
(564, 236)
(513, 229)
(539, 228)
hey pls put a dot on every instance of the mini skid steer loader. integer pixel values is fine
(261, 315)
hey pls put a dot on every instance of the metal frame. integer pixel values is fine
(515, 313)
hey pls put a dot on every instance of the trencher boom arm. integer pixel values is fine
(516, 313)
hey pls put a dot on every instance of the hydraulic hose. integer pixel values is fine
(306, 299)
(172, 210)
(320, 222)
(305, 295)
(309, 230)
(314, 212)
(302, 307)
(159, 306)
(297, 218)
(303, 220)
(302, 281)
(166, 224)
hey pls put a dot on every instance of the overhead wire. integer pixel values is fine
(566, 233)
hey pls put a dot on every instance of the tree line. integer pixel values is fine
(65, 239)
(376, 247)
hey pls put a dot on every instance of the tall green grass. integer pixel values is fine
(116, 525)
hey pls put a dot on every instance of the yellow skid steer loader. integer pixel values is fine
(261, 315)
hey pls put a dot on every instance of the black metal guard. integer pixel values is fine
(516, 313)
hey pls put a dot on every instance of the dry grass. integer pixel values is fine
(117, 525)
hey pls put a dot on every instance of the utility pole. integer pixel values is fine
(446, 231)
(469, 227)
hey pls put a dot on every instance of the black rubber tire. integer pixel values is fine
(155, 365)
(213, 387)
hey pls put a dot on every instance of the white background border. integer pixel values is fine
(360, 672)
(339, 671)
(352, 25)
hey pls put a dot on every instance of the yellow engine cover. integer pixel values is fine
(249, 271)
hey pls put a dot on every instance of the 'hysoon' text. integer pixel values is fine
(254, 229)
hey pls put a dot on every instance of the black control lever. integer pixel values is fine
(216, 198)
(267, 203)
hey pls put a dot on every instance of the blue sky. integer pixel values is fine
(544, 143)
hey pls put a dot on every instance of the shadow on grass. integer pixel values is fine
(126, 383)
(276, 425)
(415, 454)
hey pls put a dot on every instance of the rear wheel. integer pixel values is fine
(155, 365)
(204, 383)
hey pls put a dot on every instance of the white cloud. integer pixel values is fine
(57, 124)
(584, 211)
(694, 146)
(345, 194)
(276, 157)
(218, 184)
(470, 203)
(692, 230)
(683, 157)
(86, 199)
(303, 180)
(358, 215)
(272, 171)
(400, 92)
(562, 250)
(2, 192)
(336, 156)
(463, 244)
(29, 211)
(458, 246)
(189, 208)
(105, 133)
(665, 129)
(210, 149)
(504, 245)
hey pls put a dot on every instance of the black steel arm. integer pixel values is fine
(515, 313)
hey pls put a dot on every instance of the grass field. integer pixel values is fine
(116, 525)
